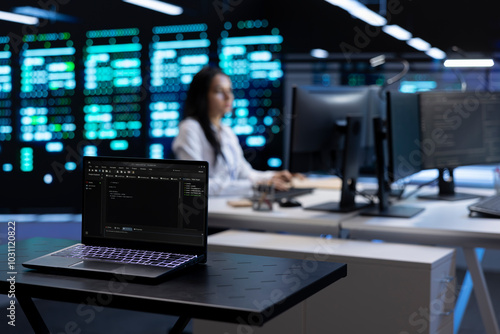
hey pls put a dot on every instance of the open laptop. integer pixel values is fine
(144, 218)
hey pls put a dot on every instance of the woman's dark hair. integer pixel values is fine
(196, 104)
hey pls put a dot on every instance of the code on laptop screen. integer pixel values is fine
(153, 201)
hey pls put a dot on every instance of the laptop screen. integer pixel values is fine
(131, 201)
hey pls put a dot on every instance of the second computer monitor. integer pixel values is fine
(458, 129)
(397, 140)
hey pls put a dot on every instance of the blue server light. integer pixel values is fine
(70, 165)
(256, 141)
(48, 178)
(119, 145)
(54, 147)
(26, 162)
(90, 150)
(156, 151)
(275, 162)
(7, 167)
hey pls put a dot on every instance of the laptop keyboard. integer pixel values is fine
(488, 205)
(123, 255)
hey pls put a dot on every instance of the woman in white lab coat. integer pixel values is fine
(202, 136)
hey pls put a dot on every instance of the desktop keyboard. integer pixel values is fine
(124, 255)
(488, 205)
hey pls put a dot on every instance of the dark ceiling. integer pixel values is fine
(472, 26)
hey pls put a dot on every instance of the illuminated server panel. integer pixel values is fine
(177, 53)
(112, 92)
(46, 120)
(7, 156)
(249, 52)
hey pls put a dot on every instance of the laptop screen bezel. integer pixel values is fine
(157, 246)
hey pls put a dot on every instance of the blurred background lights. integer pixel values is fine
(48, 178)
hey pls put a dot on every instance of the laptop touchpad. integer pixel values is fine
(97, 266)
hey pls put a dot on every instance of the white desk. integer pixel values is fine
(441, 223)
(291, 220)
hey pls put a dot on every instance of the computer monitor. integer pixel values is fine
(314, 147)
(404, 156)
(458, 129)
(397, 142)
(328, 129)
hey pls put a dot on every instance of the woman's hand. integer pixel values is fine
(281, 180)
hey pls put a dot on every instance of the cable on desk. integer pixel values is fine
(420, 186)
(369, 197)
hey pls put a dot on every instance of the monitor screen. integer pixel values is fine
(316, 111)
(459, 128)
(403, 135)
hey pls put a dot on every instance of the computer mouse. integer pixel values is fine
(288, 203)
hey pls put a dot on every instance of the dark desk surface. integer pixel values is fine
(229, 287)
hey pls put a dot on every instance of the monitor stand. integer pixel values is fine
(384, 208)
(447, 192)
(350, 169)
(347, 202)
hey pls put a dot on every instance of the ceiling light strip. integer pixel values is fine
(158, 6)
(356, 9)
(469, 63)
(24, 19)
(397, 32)
(360, 11)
